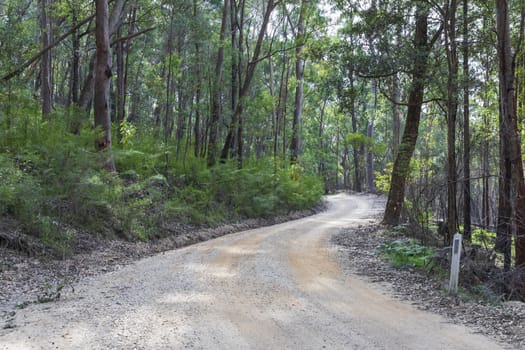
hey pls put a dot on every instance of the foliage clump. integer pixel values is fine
(53, 183)
(406, 252)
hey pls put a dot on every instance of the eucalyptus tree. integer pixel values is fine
(199, 65)
(216, 89)
(401, 168)
(450, 29)
(467, 198)
(46, 70)
(377, 51)
(300, 38)
(512, 189)
(103, 73)
(346, 52)
(245, 84)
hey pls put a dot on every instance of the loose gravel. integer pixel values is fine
(27, 279)
(277, 287)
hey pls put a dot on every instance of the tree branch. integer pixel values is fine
(436, 35)
(29, 62)
(131, 36)
(272, 53)
(377, 76)
(390, 99)
(520, 39)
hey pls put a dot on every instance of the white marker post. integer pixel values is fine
(454, 267)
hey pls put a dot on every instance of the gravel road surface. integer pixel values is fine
(278, 287)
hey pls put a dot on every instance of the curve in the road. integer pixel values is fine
(277, 287)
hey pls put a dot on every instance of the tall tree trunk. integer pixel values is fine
(513, 166)
(198, 91)
(278, 110)
(520, 205)
(102, 81)
(216, 90)
(120, 93)
(370, 177)
(401, 167)
(466, 127)
(353, 115)
(136, 99)
(75, 64)
(127, 48)
(396, 113)
(295, 144)
(182, 96)
(321, 166)
(86, 92)
(275, 120)
(198, 97)
(115, 20)
(240, 48)
(60, 94)
(236, 54)
(46, 70)
(168, 103)
(337, 142)
(503, 225)
(485, 149)
(346, 168)
(485, 202)
(506, 92)
(236, 123)
(452, 110)
(283, 98)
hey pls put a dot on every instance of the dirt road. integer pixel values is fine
(277, 287)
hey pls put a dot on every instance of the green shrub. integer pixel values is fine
(483, 237)
(138, 161)
(11, 180)
(407, 253)
(298, 191)
(51, 178)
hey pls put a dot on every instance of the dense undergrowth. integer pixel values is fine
(482, 275)
(405, 252)
(51, 182)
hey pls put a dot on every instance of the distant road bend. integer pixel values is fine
(277, 287)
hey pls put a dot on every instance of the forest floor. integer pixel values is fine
(358, 254)
(283, 286)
